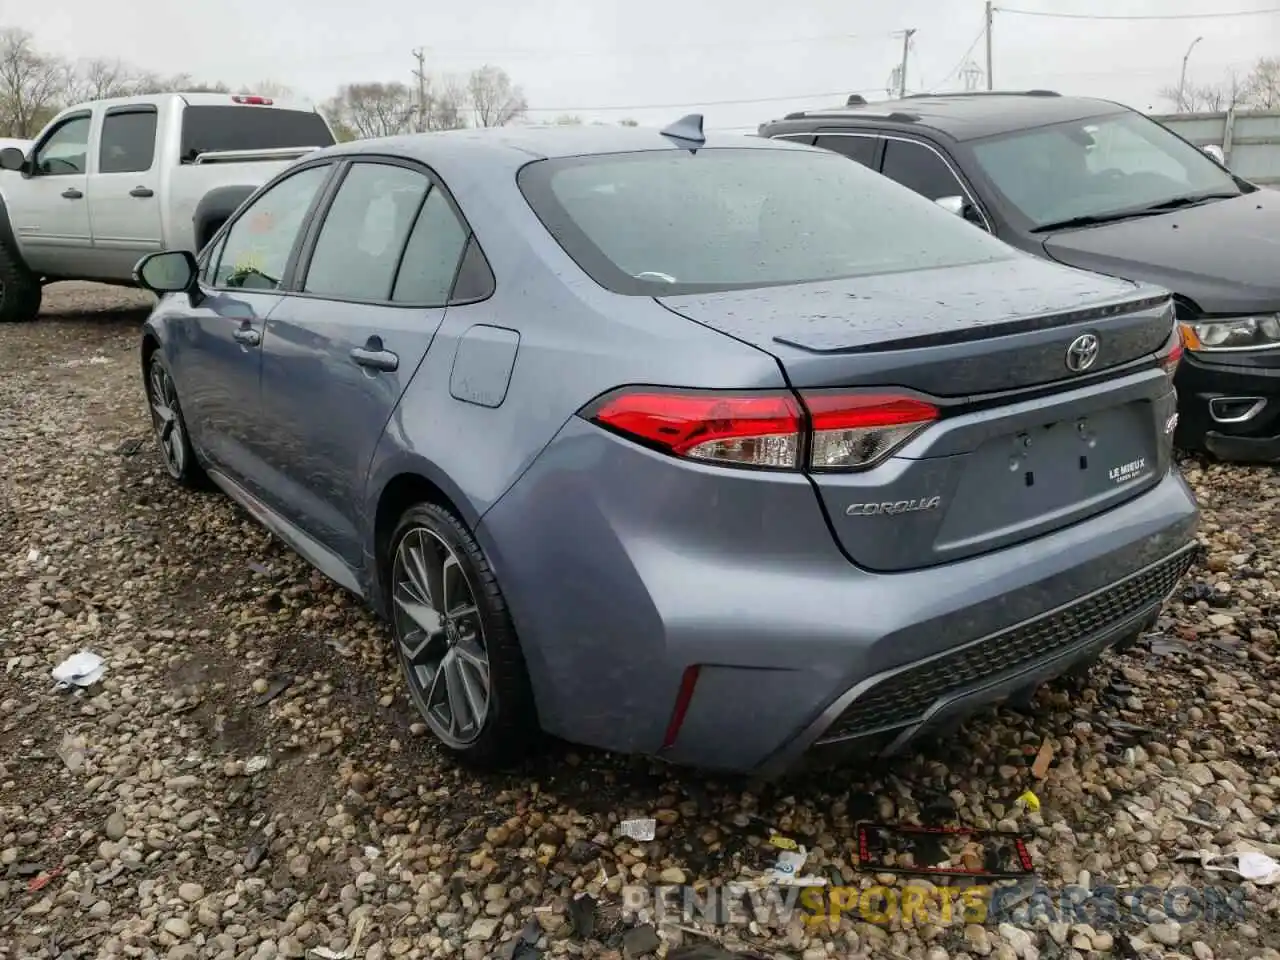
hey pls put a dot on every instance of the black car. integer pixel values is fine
(1096, 185)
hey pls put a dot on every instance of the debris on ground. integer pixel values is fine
(82, 669)
(642, 829)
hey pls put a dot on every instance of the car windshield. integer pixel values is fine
(1097, 167)
(667, 222)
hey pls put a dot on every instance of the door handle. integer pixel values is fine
(71, 193)
(373, 356)
(248, 336)
(142, 192)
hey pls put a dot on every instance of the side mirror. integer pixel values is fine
(953, 205)
(171, 271)
(961, 208)
(1211, 149)
(11, 158)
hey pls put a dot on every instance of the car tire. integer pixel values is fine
(432, 552)
(20, 290)
(176, 452)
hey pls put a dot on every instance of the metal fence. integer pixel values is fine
(1250, 140)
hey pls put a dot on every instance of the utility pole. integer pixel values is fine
(902, 73)
(1182, 80)
(988, 32)
(421, 74)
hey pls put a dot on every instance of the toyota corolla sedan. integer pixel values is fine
(719, 449)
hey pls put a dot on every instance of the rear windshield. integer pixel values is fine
(668, 222)
(206, 129)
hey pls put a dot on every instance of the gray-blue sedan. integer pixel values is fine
(717, 448)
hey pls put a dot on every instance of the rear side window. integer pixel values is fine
(364, 232)
(206, 129)
(860, 148)
(918, 168)
(128, 143)
(667, 222)
(431, 258)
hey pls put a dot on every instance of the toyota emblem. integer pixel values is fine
(1082, 353)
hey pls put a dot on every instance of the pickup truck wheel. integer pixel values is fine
(19, 290)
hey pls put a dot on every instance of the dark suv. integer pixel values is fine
(1096, 185)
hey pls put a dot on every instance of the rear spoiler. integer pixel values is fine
(246, 156)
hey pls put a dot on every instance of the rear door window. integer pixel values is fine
(128, 143)
(364, 232)
(860, 148)
(921, 169)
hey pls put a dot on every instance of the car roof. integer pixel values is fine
(513, 147)
(960, 116)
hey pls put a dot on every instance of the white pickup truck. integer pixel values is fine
(107, 182)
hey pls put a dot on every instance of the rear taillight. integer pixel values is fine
(822, 430)
(1171, 355)
(249, 99)
(856, 430)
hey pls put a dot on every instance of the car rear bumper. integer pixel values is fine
(621, 575)
(1230, 406)
(884, 713)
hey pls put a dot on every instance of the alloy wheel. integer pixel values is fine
(166, 420)
(440, 637)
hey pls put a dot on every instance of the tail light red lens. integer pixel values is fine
(750, 430)
(854, 431)
(822, 430)
(1172, 354)
(255, 101)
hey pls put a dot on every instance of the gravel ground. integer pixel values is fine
(248, 781)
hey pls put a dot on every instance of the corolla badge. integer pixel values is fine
(892, 508)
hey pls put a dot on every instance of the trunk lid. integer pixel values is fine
(1024, 446)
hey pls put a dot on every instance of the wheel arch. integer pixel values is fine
(215, 208)
(7, 236)
(418, 483)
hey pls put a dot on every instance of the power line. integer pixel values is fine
(1152, 16)
(446, 52)
(704, 103)
(963, 60)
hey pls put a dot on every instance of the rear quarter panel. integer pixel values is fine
(576, 341)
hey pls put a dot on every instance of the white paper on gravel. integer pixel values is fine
(82, 669)
(1250, 864)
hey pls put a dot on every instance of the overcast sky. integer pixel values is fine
(653, 60)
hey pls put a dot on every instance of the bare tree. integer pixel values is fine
(1262, 88)
(31, 84)
(568, 120)
(1207, 98)
(99, 79)
(628, 122)
(446, 106)
(373, 109)
(495, 101)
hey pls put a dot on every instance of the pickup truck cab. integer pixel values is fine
(107, 182)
